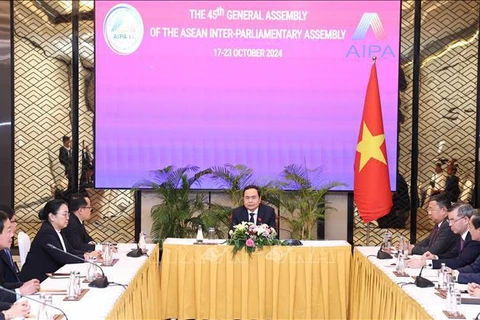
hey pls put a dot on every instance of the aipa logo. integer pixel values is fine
(370, 20)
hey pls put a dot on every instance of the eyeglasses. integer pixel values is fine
(453, 221)
(91, 208)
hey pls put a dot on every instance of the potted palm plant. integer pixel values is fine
(180, 212)
(301, 193)
(231, 179)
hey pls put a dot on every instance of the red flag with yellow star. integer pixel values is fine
(371, 191)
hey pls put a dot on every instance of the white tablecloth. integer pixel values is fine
(97, 302)
(426, 297)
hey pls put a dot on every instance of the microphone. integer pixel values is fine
(34, 300)
(101, 282)
(135, 253)
(383, 255)
(422, 282)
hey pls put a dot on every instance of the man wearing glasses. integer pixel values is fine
(467, 250)
(80, 210)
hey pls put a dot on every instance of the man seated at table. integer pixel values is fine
(253, 210)
(441, 240)
(9, 275)
(6, 234)
(471, 273)
(459, 221)
(75, 232)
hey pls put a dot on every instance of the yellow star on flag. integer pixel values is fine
(369, 147)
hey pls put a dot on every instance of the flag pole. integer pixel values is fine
(374, 59)
(368, 235)
(367, 242)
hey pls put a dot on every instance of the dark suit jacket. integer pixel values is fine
(65, 159)
(265, 214)
(9, 276)
(470, 273)
(471, 250)
(465, 278)
(77, 235)
(41, 259)
(6, 298)
(445, 241)
(4, 306)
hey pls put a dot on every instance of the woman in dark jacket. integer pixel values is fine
(42, 259)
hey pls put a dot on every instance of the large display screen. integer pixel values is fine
(260, 83)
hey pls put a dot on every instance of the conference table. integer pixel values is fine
(278, 282)
(133, 292)
(377, 293)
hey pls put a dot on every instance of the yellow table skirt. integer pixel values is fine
(140, 299)
(208, 282)
(375, 296)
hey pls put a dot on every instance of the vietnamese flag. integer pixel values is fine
(371, 191)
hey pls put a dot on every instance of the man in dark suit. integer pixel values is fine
(458, 219)
(253, 210)
(75, 232)
(441, 240)
(65, 155)
(65, 158)
(9, 271)
(471, 273)
(6, 234)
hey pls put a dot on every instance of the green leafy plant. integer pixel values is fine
(180, 212)
(231, 179)
(301, 193)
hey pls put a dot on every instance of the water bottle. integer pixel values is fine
(45, 312)
(91, 269)
(400, 264)
(71, 286)
(441, 276)
(141, 242)
(199, 234)
(403, 247)
(387, 238)
(453, 300)
(108, 256)
(211, 234)
(78, 285)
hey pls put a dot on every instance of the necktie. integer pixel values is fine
(434, 235)
(251, 217)
(9, 255)
(462, 244)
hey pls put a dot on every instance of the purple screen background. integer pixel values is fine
(173, 102)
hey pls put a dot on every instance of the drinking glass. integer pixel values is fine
(91, 270)
(45, 312)
(107, 254)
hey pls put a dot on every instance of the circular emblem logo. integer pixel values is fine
(123, 29)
